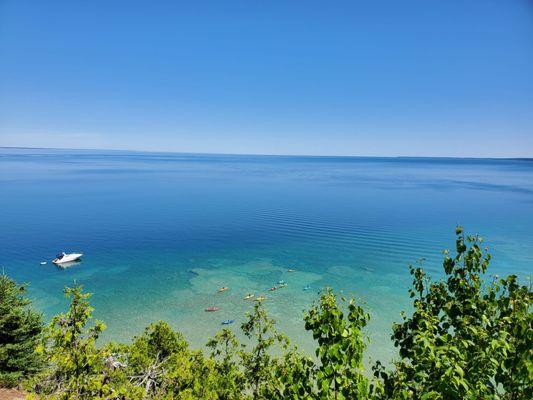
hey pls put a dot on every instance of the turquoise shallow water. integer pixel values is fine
(162, 232)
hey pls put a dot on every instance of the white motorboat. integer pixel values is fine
(65, 258)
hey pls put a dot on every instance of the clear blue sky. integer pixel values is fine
(444, 78)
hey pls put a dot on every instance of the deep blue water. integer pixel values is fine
(161, 232)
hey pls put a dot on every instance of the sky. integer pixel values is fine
(369, 78)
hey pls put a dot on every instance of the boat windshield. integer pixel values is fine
(60, 256)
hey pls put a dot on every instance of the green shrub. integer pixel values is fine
(467, 338)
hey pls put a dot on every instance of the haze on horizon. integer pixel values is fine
(384, 78)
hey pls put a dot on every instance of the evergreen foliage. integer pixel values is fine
(257, 361)
(20, 331)
(224, 350)
(75, 364)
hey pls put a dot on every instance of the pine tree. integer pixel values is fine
(20, 331)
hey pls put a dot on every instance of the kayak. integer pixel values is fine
(222, 289)
(228, 322)
(248, 297)
(211, 309)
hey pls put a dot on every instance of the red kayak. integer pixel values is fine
(211, 309)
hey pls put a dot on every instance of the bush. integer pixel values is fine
(467, 338)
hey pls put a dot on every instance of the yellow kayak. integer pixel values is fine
(223, 289)
(248, 297)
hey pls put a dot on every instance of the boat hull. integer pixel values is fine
(68, 258)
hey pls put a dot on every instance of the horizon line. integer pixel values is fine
(263, 154)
